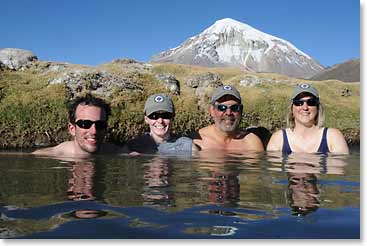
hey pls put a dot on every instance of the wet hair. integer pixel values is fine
(89, 100)
(320, 117)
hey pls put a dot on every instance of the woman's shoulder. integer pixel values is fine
(334, 134)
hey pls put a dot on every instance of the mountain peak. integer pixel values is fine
(232, 43)
(228, 24)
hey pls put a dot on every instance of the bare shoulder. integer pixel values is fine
(253, 142)
(56, 150)
(276, 141)
(336, 141)
(333, 132)
(205, 131)
(199, 136)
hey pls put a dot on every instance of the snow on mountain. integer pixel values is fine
(231, 43)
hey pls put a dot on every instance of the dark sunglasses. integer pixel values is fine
(223, 107)
(310, 102)
(86, 124)
(164, 115)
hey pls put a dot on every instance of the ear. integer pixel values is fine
(146, 119)
(71, 128)
(211, 110)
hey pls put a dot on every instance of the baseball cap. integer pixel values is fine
(303, 88)
(225, 90)
(158, 102)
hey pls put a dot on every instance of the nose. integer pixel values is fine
(228, 111)
(305, 106)
(93, 128)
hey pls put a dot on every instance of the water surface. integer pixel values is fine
(215, 196)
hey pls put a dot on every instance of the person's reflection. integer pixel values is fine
(220, 176)
(81, 182)
(223, 187)
(157, 189)
(303, 193)
(81, 188)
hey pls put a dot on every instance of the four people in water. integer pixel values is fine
(304, 133)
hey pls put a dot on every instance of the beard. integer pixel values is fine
(227, 123)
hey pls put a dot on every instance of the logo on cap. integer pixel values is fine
(304, 86)
(158, 99)
(227, 88)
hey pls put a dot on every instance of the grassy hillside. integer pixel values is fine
(33, 113)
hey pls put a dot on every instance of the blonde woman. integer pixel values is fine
(305, 132)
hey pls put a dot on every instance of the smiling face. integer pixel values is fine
(228, 120)
(88, 141)
(305, 114)
(159, 126)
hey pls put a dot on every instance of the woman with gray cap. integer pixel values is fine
(159, 113)
(305, 132)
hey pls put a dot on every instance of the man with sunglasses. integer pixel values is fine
(87, 124)
(224, 135)
(305, 132)
(159, 113)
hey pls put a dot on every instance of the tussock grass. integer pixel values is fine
(33, 113)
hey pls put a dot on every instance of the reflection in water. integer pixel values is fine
(223, 187)
(81, 188)
(88, 214)
(221, 178)
(303, 169)
(303, 194)
(81, 182)
(232, 196)
(157, 188)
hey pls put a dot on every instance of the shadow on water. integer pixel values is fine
(256, 195)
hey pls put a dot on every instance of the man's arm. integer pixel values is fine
(255, 142)
(275, 142)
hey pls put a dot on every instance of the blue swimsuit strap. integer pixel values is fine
(323, 148)
(286, 148)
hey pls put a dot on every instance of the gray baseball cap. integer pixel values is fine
(304, 88)
(158, 102)
(225, 90)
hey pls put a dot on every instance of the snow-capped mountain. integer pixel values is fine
(232, 43)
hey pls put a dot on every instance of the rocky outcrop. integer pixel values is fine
(204, 84)
(170, 82)
(16, 59)
(99, 82)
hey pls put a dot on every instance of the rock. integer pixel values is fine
(346, 92)
(46, 67)
(250, 80)
(170, 82)
(124, 61)
(16, 59)
(204, 84)
(99, 82)
(204, 80)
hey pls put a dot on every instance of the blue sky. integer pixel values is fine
(94, 32)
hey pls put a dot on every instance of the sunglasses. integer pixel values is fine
(223, 107)
(310, 102)
(86, 124)
(164, 115)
